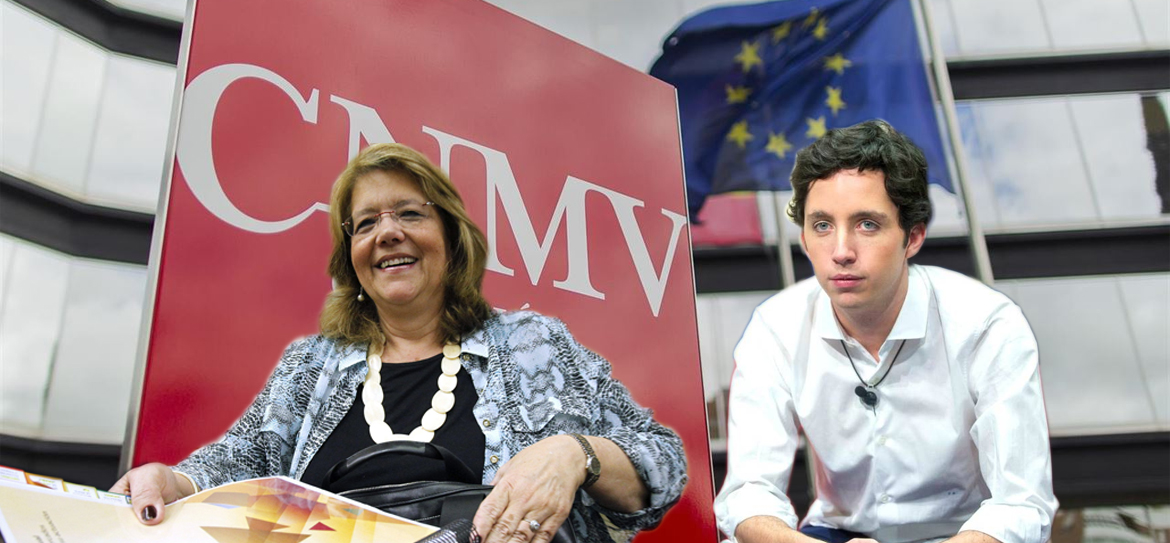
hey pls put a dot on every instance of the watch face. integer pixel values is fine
(594, 465)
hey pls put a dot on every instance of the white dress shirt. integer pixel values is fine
(958, 439)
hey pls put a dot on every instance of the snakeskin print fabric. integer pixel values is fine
(534, 381)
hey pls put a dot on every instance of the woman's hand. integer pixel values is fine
(538, 484)
(151, 487)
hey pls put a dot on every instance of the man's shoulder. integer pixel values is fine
(787, 309)
(962, 298)
(793, 300)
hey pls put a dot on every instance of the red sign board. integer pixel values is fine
(568, 160)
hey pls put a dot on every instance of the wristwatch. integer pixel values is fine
(592, 464)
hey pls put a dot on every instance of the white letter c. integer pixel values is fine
(194, 146)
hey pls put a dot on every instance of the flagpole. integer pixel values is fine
(942, 79)
(783, 247)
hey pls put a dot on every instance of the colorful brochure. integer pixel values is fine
(272, 509)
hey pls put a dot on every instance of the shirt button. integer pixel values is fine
(487, 423)
(885, 498)
(882, 441)
(495, 459)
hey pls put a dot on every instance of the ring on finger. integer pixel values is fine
(534, 525)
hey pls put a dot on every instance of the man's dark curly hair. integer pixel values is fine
(868, 146)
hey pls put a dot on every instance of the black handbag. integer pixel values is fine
(439, 503)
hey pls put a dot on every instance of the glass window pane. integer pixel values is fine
(30, 321)
(770, 207)
(722, 318)
(130, 142)
(1025, 163)
(1154, 16)
(1156, 114)
(943, 19)
(999, 26)
(1081, 327)
(1114, 137)
(569, 19)
(7, 250)
(1147, 302)
(27, 45)
(691, 7)
(615, 22)
(94, 365)
(1111, 524)
(985, 209)
(949, 218)
(66, 135)
(1092, 24)
(711, 350)
(168, 9)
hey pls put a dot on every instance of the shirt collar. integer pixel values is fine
(476, 343)
(352, 354)
(356, 354)
(825, 321)
(911, 321)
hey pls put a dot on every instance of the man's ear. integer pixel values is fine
(915, 239)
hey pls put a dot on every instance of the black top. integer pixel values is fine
(407, 389)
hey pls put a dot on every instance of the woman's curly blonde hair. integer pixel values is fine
(465, 309)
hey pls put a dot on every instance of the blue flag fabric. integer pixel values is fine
(758, 82)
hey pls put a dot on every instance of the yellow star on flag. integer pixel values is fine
(749, 55)
(811, 19)
(834, 100)
(781, 31)
(837, 63)
(778, 145)
(816, 127)
(737, 95)
(821, 30)
(739, 134)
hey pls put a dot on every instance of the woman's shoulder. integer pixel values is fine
(315, 349)
(521, 330)
(520, 318)
(531, 339)
(523, 321)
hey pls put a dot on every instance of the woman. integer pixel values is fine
(512, 390)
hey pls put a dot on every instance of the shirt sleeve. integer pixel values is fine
(762, 433)
(655, 451)
(1011, 432)
(268, 426)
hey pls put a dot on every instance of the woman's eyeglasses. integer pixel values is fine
(408, 215)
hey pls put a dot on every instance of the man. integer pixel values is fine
(917, 389)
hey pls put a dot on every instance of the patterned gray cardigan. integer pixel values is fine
(534, 381)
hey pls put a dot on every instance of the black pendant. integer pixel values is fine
(868, 397)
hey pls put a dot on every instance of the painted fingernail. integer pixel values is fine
(149, 512)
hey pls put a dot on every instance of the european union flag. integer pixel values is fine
(758, 82)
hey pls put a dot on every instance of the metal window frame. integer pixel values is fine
(36, 214)
(114, 28)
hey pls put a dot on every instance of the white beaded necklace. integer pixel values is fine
(434, 418)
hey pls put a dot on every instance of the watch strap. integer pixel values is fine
(591, 475)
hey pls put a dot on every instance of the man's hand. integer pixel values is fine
(972, 536)
(766, 529)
